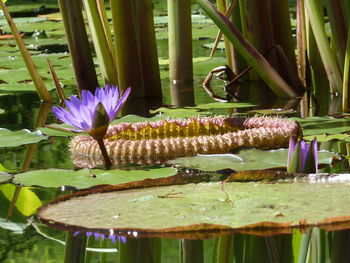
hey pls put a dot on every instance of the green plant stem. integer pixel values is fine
(39, 84)
(338, 26)
(102, 41)
(104, 152)
(346, 83)
(222, 8)
(327, 55)
(282, 29)
(148, 49)
(180, 52)
(253, 57)
(78, 43)
(301, 42)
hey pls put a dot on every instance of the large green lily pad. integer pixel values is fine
(204, 206)
(85, 178)
(246, 159)
(16, 138)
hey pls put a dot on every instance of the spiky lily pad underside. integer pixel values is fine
(157, 142)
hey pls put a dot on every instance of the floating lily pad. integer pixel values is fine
(249, 159)
(84, 178)
(22, 20)
(158, 210)
(16, 138)
(324, 125)
(224, 105)
(273, 111)
(181, 112)
(5, 177)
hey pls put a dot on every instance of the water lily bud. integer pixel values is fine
(100, 122)
(302, 158)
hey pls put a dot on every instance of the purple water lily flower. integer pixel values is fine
(93, 113)
(302, 158)
(80, 113)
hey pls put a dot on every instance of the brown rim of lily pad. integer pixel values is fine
(159, 141)
(195, 231)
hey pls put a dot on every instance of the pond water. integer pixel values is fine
(24, 239)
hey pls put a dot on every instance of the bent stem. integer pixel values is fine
(104, 152)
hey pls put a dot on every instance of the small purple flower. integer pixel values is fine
(80, 113)
(302, 158)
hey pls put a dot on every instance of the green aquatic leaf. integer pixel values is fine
(21, 20)
(4, 177)
(248, 159)
(324, 125)
(181, 112)
(84, 178)
(203, 206)
(16, 138)
(27, 201)
(224, 105)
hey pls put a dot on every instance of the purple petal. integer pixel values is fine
(303, 154)
(113, 238)
(88, 234)
(122, 239)
(76, 233)
(315, 148)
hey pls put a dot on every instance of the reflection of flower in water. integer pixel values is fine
(97, 236)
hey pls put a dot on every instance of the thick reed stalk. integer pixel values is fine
(224, 249)
(304, 246)
(222, 8)
(39, 84)
(282, 29)
(143, 250)
(180, 52)
(102, 40)
(346, 83)
(191, 251)
(340, 246)
(301, 42)
(338, 26)
(148, 49)
(74, 251)
(327, 55)
(346, 7)
(253, 57)
(127, 52)
(78, 43)
(238, 63)
(257, 29)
